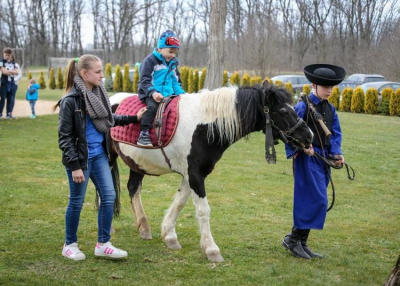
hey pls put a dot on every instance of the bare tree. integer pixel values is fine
(216, 44)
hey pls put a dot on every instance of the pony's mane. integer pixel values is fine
(218, 110)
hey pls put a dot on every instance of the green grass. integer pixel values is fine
(251, 206)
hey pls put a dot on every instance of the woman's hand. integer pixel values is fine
(78, 176)
(141, 112)
(158, 96)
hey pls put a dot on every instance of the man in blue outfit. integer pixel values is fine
(311, 175)
(159, 78)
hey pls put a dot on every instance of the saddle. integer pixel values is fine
(165, 122)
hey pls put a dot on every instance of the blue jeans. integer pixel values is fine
(99, 172)
(14, 92)
(5, 94)
(32, 104)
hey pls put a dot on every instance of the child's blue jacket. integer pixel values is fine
(158, 75)
(32, 94)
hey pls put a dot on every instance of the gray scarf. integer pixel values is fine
(97, 104)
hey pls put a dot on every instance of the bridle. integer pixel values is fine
(286, 136)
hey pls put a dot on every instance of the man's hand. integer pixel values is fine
(158, 96)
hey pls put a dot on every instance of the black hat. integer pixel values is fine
(324, 74)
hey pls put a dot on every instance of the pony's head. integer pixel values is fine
(286, 124)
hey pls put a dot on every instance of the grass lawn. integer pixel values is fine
(251, 205)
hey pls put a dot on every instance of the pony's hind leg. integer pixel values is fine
(134, 187)
(168, 232)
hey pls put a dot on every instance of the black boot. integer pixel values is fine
(292, 242)
(304, 238)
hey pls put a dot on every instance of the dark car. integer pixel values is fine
(380, 85)
(360, 78)
(297, 81)
(345, 84)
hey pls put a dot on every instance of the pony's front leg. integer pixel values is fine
(168, 232)
(134, 187)
(206, 241)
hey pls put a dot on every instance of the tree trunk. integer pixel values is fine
(216, 38)
(394, 277)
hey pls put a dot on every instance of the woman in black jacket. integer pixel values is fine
(84, 120)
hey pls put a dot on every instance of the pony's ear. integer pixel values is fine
(266, 84)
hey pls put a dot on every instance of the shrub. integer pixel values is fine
(235, 79)
(394, 105)
(118, 79)
(386, 93)
(255, 80)
(65, 78)
(384, 107)
(245, 80)
(190, 81)
(334, 97)
(371, 101)
(60, 79)
(289, 87)
(184, 71)
(196, 80)
(345, 102)
(52, 80)
(278, 83)
(225, 78)
(269, 80)
(42, 83)
(357, 101)
(108, 83)
(29, 76)
(306, 89)
(135, 84)
(202, 79)
(126, 81)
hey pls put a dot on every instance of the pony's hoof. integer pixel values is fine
(173, 244)
(145, 235)
(215, 257)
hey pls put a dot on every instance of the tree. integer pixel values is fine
(42, 82)
(60, 79)
(135, 79)
(126, 82)
(215, 65)
(118, 79)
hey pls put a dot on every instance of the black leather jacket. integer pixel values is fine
(72, 130)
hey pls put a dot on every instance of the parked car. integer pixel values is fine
(297, 81)
(380, 85)
(345, 84)
(359, 78)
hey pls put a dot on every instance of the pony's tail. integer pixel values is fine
(117, 187)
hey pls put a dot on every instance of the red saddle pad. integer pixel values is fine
(130, 133)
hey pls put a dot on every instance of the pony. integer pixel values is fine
(209, 122)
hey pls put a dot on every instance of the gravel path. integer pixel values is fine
(42, 107)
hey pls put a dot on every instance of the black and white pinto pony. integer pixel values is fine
(209, 122)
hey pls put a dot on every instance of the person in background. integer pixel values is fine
(32, 95)
(16, 81)
(8, 72)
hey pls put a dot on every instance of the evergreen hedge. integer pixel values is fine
(52, 80)
(108, 84)
(29, 76)
(135, 84)
(202, 79)
(345, 102)
(42, 82)
(357, 101)
(245, 80)
(184, 71)
(334, 97)
(394, 105)
(196, 80)
(126, 81)
(190, 81)
(306, 89)
(384, 106)
(371, 101)
(235, 79)
(278, 83)
(225, 79)
(60, 79)
(117, 87)
(255, 80)
(289, 87)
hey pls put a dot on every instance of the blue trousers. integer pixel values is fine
(99, 172)
(6, 93)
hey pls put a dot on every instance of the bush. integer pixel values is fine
(386, 93)
(202, 79)
(29, 76)
(278, 83)
(357, 101)
(371, 101)
(334, 97)
(196, 80)
(135, 84)
(52, 80)
(108, 83)
(42, 83)
(118, 79)
(384, 108)
(345, 102)
(190, 81)
(235, 79)
(225, 78)
(245, 80)
(184, 71)
(255, 80)
(65, 78)
(60, 79)
(306, 89)
(126, 81)
(394, 105)
(289, 87)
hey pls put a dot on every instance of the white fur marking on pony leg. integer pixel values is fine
(168, 232)
(141, 219)
(206, 241)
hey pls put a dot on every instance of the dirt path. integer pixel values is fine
(42, 107)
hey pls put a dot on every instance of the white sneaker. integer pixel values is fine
(72, 251)
(108, 250)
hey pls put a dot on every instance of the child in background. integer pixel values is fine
(32, 96)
